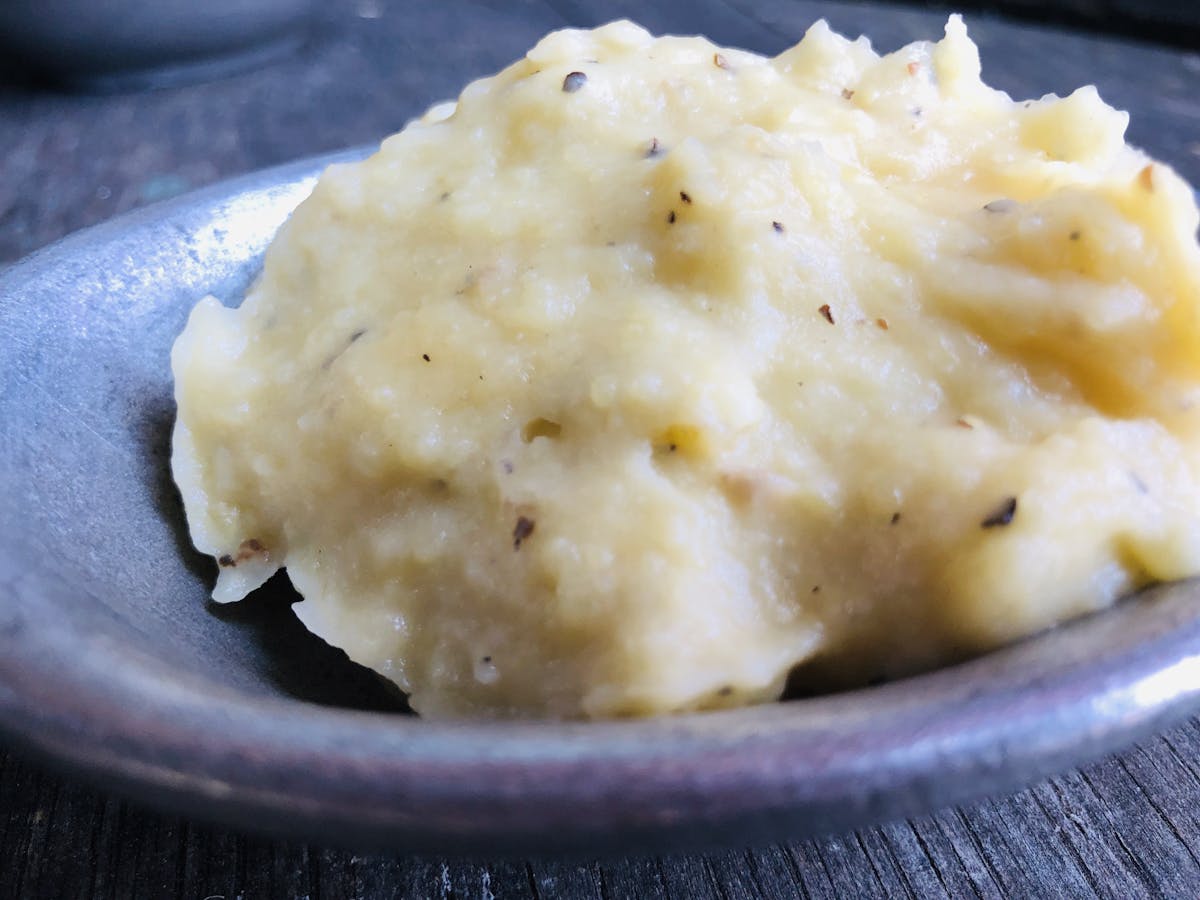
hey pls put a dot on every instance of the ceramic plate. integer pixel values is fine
(114, 665)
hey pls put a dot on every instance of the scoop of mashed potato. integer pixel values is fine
(650, 372)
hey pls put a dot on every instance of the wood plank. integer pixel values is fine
(1124, 827)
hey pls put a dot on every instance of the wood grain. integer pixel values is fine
(1124, 827)
(1127, 826)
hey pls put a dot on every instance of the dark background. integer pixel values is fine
(1162, 21)
(1125, 826)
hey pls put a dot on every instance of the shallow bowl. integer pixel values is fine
(114, 665)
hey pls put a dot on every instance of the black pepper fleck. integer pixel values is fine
(226, 561)
(354, 337)
(685, 197)
(654, 149)
(1003, 514)
(778, 226)
(671, 217)
(847, 94)
(425, 356)
(725, 691)
(487, 660)
(574, 81)
(895, 517)
(671, 448)
(522, 530)
(826, 312)
(816, 589)
(1074, 235)
(508, 466)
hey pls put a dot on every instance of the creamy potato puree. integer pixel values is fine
(650, 371)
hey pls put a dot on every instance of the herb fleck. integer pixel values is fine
(826, 312)
(847, 94)
(1146, 178)
(540, 427)
(1003, 205)
(247, 549)
(963, 423)
(882, 323)
(574, 81)
(522, 530)
(1003, 514)
(353, 337)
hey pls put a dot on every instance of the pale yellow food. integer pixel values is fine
(628, 391)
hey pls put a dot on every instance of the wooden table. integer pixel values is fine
(1126, 826)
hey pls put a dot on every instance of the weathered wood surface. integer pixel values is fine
(1124, 827)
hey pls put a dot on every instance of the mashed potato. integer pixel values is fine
(650, 371)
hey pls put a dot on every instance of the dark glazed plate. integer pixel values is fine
(114, 666)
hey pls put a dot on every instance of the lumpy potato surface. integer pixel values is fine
(650, 371)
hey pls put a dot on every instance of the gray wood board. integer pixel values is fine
(1124, 827)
